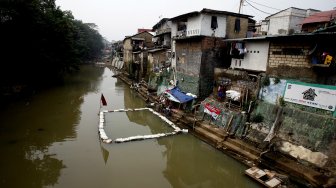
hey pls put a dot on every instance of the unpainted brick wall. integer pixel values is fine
(188, 55)
(148, 38)
(196, 60)
(230, 23)
(290, 66)
(276, 60)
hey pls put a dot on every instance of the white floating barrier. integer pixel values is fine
(185, 130)
(107, 141)
(142, 137)
(105, 138)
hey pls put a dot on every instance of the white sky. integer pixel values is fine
(119, 18)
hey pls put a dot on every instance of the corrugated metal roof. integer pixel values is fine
(324, 16)
(301, 36)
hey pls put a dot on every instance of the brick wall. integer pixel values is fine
(127, 53)
(196, 60)
(212, 42)
(148, 38)
(230, 24)
(188, 55)
(277, 56)
(211, 56)
(290, 60)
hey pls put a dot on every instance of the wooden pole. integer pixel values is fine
(240, 5)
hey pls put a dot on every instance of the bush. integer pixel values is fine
(265, 81)
(258, 118)
(276, 80)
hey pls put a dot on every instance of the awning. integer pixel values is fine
(177, 95)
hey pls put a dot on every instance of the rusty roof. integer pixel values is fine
(324, 16)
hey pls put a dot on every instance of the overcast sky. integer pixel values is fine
(118, 18)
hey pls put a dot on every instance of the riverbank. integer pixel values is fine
(240, 149)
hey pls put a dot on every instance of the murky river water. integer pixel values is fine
(51, 140)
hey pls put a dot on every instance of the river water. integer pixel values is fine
(51, 140)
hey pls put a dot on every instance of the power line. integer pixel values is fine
(257, 8)
(264, 5)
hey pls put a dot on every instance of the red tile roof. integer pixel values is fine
(143, 30)
(324, 16)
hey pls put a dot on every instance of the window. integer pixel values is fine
(292, 51)
(289, 51)
(214, 24)
(237, 25)
(182, 25)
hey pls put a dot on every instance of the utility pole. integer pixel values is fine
(240, 5)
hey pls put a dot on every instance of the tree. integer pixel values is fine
(40, 42)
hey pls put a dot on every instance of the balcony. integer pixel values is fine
(163, 31)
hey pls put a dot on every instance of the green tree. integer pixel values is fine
(40, 42)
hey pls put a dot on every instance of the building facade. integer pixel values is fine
(285, 22)
(198, 46)
(135, 43)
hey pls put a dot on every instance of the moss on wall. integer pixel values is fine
(188, 84)
(310, 130)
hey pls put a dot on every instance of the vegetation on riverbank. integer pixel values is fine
(40, 43)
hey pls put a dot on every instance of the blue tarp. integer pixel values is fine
(179, 95)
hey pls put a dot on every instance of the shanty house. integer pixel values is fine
(197, 46)
(135, 43)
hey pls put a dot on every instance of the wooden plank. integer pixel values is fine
(257, 174)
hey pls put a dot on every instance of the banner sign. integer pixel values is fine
(318, 96)
(213, 111)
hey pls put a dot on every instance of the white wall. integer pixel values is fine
(264, 26)
(296, 18)
(173, 29)
(201, 25)
(206, 26)
(166, 25)
(173, 48)
(279, 21)
(253, 60)
(194, 26)
(288, 19)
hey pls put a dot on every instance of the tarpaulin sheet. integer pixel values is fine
(177, 94)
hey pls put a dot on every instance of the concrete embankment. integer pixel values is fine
(240, 149)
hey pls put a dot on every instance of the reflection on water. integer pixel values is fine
(28, 128)
(53, 142)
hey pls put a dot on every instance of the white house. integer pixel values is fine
(199, 24)
(286, 22)
(252, 56)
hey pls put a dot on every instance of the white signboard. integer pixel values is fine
(323, 97)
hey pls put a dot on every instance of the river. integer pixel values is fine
(51, 140)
